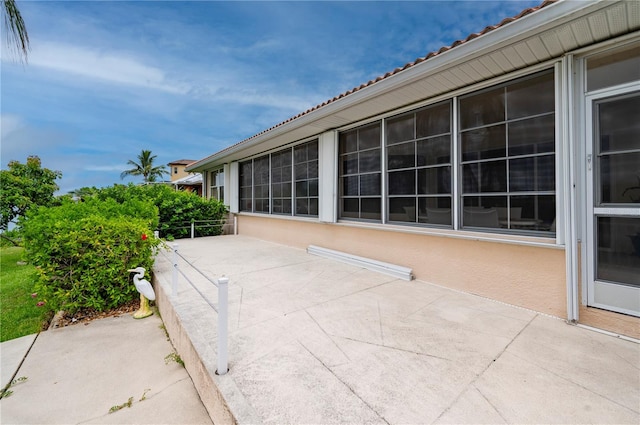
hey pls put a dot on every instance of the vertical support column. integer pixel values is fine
(327, 176)
(223, 319)
(174, 275)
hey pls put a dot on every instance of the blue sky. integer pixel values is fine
(106, 79)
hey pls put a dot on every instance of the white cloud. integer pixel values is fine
(107, 66)
(9, 124)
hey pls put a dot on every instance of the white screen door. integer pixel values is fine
(613, 200)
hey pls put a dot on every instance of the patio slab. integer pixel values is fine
(313, 340)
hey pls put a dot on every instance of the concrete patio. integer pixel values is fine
(313, 340)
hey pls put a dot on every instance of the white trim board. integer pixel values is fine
(394, 270)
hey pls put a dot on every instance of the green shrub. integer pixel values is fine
(83, 250)
(176, 209)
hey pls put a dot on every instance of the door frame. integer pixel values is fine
(601, 294)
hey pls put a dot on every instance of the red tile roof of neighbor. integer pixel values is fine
(182, 162)
(455, 44)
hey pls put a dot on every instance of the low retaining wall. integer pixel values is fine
(219, 394)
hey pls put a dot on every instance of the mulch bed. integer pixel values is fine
(86, 316)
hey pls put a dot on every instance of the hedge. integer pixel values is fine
(82, 251)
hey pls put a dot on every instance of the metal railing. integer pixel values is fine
(197, 228)
(222, 284)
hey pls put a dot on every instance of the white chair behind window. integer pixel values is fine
(439, 215)
(480, 218)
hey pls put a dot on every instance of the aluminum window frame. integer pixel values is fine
(250, 164)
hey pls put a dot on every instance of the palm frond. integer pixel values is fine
(15, 28)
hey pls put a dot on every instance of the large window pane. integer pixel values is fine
(419, 164)
(306, 180)
(350, 186)
(434, 121)
(261, 184)
(532, 174)
(619, 124)
(370, 208)
(349, 164)
(536, 212)
(482, 211)
(435, 211)
(246, 186)
(350, 208)
(484, 143)
(348, 141)
(485, 177)
(517, 157)
(369, 161)
(280, 181)
(369, 137)
(400, 129)
(402, 182)
(530, 136)
(531, 96)
(401, 156)
(370, 184)
(620, 178)
(402, 209)
(436, 150)
(435, 180)
(359, 166)
(482, 109)
(614, 67)
(301, 171)
(618, 250)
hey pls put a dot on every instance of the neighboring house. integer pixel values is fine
(190, 183)
(177, 168)
(502, 165)
(185, 180)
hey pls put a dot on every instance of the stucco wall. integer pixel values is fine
(527, 276)
(181, 172)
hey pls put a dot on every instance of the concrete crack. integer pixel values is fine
(474, 380)
(345, 384)
(328, 336)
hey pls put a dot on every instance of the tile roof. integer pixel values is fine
(455, 44)
(182, 162)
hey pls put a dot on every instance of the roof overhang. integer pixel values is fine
(541, 36)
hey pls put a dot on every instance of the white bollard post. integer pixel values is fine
(235, 225)
(223, 318)
(156, 234)
(174, 275)
(193, 229)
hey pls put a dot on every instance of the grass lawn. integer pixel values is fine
(19, 315)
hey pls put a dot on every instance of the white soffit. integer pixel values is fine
(396, 271)
(542, 36)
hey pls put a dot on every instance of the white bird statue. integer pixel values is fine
(146, 293)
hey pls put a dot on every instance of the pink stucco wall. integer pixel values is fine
(528, 276)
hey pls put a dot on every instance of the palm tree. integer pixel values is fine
(144, 167)
(15, 28)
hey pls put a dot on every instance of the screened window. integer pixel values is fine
(284, 182)
(306, 178)
(281, 182)
(613, 67)
(507, 153)
(216, 190)
(419, 166)
(246, 186)
(261, 184)
(360, 173)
